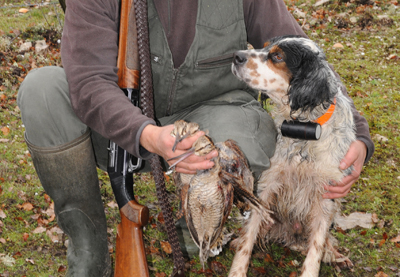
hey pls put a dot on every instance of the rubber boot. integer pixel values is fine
(69, 176)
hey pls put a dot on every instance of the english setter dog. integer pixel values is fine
(295, 75)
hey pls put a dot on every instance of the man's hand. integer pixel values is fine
(356, 157)
(158, 140)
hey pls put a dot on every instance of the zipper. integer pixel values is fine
(215, 61)
(171, 93)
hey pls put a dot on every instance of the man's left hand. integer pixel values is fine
(356, 157)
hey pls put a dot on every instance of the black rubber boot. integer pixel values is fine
(69, 176)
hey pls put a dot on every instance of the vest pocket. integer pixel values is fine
(215, 62)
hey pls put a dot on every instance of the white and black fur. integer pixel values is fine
(294, 73)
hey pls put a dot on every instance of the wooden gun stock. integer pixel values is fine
(130, 252)
(128, 53)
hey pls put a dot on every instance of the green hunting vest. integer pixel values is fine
(206, 72)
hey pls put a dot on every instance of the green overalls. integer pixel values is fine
(203, 89)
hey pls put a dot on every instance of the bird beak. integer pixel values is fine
(181, 157)
(178, 139)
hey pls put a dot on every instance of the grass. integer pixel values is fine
(368, 63)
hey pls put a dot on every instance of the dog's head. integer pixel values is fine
(290, 69)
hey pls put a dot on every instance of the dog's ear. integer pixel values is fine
(312, 82)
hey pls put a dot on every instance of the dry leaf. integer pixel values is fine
(25, 236)
(268, 258)
(39, 230)
(338, 45)
(23, 10)
(2, 214)
(112, 204)
(161, 274)
(166, 247)
(5, 130)
(374, 218)
(30, 261)
(396, 239)
(7, 260)
(160, 218)
(47, 198)
(218, 268)
(363, 220)
(2, 240)
(26, 206)
(381, 274)
(293, 274)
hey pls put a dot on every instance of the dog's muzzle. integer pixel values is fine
(239, 58)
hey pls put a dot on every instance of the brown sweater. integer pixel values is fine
(89, 54)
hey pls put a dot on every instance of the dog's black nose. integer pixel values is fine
(239, 58)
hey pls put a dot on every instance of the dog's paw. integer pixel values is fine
(343, 262)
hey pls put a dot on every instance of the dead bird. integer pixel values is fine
(208, 196)
(182, 130)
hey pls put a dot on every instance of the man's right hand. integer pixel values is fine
(158, 140)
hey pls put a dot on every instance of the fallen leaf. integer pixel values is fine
(2, 240)
(112, 204)
(25, 236)
(260, 270)
(153, 250)
(338, 45)
(5, 131)
(268, 258)
(380, 138)
(218, 268)
(62, 268)
(374, 218)
(161, 274)
(2, 214)
(396, 239)
(160, 218)
(363, 220)
(26, 206)
(39, 230)
(49, 212)
(30, 260)
(381, 274)
(293, 274)
(294, 263)
(166, 247)
(47, 198)
(23, 10)
(7, 260)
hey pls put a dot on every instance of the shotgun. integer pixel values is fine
(130, 257)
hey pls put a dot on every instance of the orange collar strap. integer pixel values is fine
(326, 116)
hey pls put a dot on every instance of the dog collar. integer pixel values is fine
(326, 116)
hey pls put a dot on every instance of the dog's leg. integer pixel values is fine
(321, 220)
(333, 256)
(248, 237)
(249, 233)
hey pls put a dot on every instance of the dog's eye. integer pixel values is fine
(277, 57)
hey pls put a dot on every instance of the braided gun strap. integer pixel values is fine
(146, 103)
